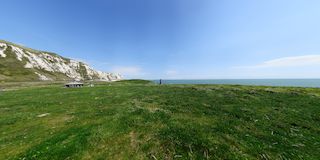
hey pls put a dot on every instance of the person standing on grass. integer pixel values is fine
(160, 82)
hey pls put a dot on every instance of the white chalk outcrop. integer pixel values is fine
(3, 47)
(43, 77)
(53, 63)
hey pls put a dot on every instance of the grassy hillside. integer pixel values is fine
(12, 70)
(22, 64)
(140, 120)
(30, 49)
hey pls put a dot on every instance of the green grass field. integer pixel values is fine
(140, 120)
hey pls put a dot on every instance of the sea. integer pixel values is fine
(313, 83)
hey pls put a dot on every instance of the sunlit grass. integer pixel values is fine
(139, 120)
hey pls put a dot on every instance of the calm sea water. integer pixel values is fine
(258, 82)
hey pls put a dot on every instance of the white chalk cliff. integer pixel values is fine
(46, 66)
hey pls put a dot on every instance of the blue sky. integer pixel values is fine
(174, 39)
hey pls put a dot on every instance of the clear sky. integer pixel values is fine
(176, 39)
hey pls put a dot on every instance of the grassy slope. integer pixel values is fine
(12, 70)
(30, 49)
(133, 120)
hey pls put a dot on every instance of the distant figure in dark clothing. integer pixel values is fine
(160, 82)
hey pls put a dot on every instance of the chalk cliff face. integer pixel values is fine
(18, 63)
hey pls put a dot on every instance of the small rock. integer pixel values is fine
(43, 115)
